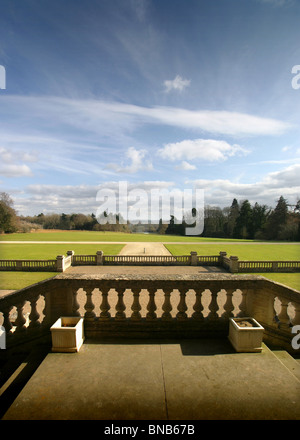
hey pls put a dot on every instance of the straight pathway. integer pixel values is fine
(148, 248)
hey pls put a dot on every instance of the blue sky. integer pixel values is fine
(157, 93)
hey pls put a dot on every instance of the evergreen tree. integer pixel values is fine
(243, 225)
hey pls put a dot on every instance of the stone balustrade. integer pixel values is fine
(148, 306)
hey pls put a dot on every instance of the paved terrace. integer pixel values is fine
(160, 380)
(173, 380)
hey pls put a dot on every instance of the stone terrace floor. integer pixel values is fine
(161, 380)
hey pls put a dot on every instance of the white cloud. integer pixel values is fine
(268, 190)
(177, 83)
(8, 170)
(138, 162)
(200, 149)
(10, 166)
(186, 166)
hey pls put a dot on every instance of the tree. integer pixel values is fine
(231, 219)
(243, 225)
(8, 216)
(277, 219)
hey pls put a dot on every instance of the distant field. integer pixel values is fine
(249, 251)
(49, 251)
(102, 236)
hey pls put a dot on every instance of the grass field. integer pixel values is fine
(244, 249)
(49, 251)
(103, 236)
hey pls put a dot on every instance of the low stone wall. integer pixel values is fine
(151, 306)
(232, 263)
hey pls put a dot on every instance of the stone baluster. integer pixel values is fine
(243, 305)
(284, 319)
(89, 306)
(296, 320)
(6, 321)
(167, 307)
(198, 307)
(120, 306)
(228, 306)
(75, 304)
(151, 306)
(136, 307)
(213, 306)
(20, 321)
(104, 306)
(182, 307)
(34, 315)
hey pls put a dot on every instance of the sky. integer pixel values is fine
(160, 94)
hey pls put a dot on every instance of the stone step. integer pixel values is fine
(289, 362)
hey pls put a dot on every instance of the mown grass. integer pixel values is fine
(244, 251)
(75, 236)
(49, 251)
(18, 280)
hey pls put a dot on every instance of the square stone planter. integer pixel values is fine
(67, 334)
(245, 335)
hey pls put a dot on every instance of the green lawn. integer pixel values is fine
(244, 251)
(103, 236)
(49, 251)
(18, 280)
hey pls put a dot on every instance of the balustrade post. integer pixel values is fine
(6, 321)
(89, 306)
(243, 305)
(120, 306)
(296, 320)
(284, 319)
(20, 321)
(198, 307)
(234, 264)
(99, 258)
(213, 306)
(136, 307)
(104, 306)
(34, 315)
(167, 307)
(193, 258)
(151, 306)
(182, 307)
(75, 304)
(228, 306)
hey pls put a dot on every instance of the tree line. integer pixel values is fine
(240, 220)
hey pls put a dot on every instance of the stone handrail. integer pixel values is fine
(232, 264)
(161, 306)
(29, 265)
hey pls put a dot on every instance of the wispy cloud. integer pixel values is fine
(177, 83)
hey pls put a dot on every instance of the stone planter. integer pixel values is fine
(245, 335)
(67, 334)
